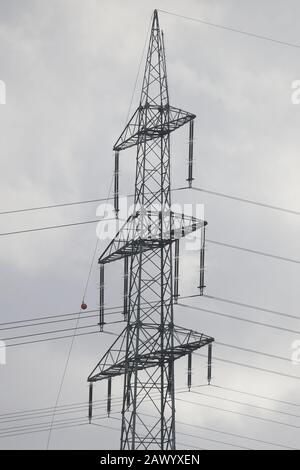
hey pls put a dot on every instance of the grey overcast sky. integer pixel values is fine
(69, 67)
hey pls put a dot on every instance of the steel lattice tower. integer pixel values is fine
(147, 348)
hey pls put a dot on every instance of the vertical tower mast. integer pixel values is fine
(147, 348)
(153, 158)
(152, 325)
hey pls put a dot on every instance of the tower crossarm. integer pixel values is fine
(142, 232)
(115, 363)
(161, 120)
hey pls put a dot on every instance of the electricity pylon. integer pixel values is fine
(147, 348)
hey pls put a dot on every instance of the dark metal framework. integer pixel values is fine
(145, 351)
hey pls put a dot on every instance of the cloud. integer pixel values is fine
(69, 67)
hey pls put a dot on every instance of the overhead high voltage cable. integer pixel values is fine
(271, 356)
(78, 405)
(240, 364)
(37, 426)
(102, 199)
(233, 317)
(214, 242)
(233, 30)
(109, 309)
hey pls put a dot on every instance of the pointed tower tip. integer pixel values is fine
(155, 19)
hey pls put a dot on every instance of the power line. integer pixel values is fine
(91, 201)
(55, 338)
(233, 317)
(233, 30)
(39, 413)
(44, 318)
(197, 308)
(29, 429)
(59, 337)
(273, 356)
(205, 428)
(114, 311)
(118, 399)
(215, 358)
(19, 323)
(246, 415)
(49, 332)
(260, 353)
(249, 366)
(188, 446)
(247, 201)
(254, 307)
(236, 412)
(70, 407)
(74, 203)
(180, 433)
(102, 199)
(45, 414)
(214, 441)
(292, 415)
(109, 311)
(264, 397)
(39, 427)
(240, 436)
(256, 252)
(76, 405)
(46, 427)
(84, 423)
(53, 206)
(49, 227)
(253, 351)
(80, 423)
(241, 364)
(31, 325)
(214, 242)
(185, 423)
(231, 346)
(46, 423)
